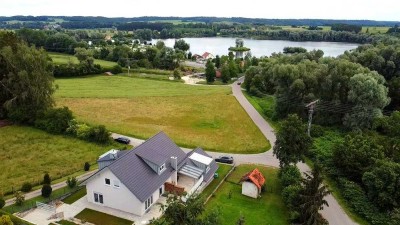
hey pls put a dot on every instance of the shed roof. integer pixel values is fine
(256, 177)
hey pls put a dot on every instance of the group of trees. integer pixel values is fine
(304, 197)
(346, 27)
(348, 93)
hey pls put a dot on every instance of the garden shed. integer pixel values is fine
(252, 183)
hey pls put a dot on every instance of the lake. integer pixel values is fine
(220, 45)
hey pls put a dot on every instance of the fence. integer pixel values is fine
(31, 203)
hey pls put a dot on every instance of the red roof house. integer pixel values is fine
(252, 183)
(207, 55)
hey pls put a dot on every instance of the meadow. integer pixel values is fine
(27, 153)
(269, 209)
(59, 58)
(209, 117)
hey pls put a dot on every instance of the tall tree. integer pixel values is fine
(292, 141)
(225, 73)
(210, 71)
(181, 45)
(369, 95)
(26, 82)
(217, 61)
(312, 197)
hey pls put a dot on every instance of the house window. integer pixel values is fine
(116, 183)
(161, 168)
(98, 198)
(148, 202)
(107, 181)
(160, 191)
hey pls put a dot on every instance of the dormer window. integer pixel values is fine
(161, 168)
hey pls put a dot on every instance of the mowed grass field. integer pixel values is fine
(27, 153)
(59, 58)
(209, 117)
(267, 210)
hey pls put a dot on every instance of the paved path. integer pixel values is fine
(334, 213)
(54, 186)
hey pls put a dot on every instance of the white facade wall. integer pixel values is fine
(118, 198)
(249, 189)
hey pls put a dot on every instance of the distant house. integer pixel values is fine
(108, 38)
(252, 183)
(207, 56)
(132, 181)
(196, 56)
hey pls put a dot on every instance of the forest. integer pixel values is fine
(356, 118)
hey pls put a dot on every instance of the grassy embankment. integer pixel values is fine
(27, 153)
(192, 116)
(269, 209)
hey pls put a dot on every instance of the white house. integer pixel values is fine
(252, 183)
(132, 181)
(206, 56)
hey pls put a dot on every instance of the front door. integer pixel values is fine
(98, 198)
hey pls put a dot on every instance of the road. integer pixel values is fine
(54, 186)
(334, 213)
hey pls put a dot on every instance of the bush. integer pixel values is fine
(116, 69)
(289, 175)
(26, 187)
(55, 120)
(71, 182)
(19, 198)
(86, 167)
(2, 202)
(46, 179)
(358, 201)
(98, 134)
(46, 190)
(317, 131)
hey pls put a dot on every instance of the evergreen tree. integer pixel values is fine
(312, 197)
(225, 74)
(210, 71)
(217, 61)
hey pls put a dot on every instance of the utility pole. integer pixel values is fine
(311, 107)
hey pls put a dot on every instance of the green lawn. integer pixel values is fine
(267, 210)
(99, 218)
(223, 169)
(265, 106)
(209, 117)
(75, 196)
(27, 153)
(59, 58)
(30, 203)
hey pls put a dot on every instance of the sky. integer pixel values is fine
(388, 10)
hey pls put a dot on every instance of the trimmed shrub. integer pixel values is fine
(26, 187)
(55, 120)
(116, 69)
(2, 203)
(19, 198)
(86, 167)
(46, 179)
(46, 190)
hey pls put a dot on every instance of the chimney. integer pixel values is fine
(174, 164)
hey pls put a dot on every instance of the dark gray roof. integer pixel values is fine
(110, 158)
(213, 165)
(136, 175)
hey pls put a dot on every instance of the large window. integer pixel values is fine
(107, 181)
(148, 202)
(98, 198)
